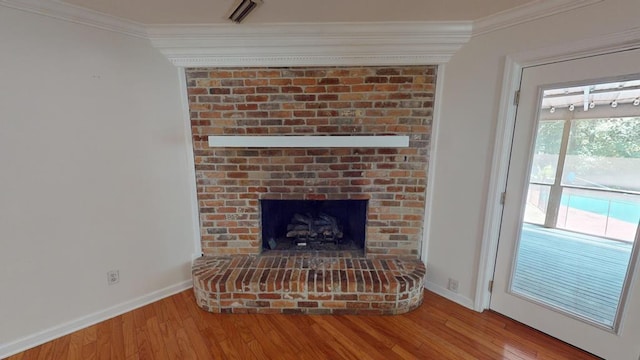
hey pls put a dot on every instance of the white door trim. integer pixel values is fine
(514, 63)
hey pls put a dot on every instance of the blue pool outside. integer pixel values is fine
(626, 211)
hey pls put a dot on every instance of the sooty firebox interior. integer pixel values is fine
(313, 224)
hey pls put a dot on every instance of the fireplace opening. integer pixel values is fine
(313, 224)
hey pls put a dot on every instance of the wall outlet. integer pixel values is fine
(113, 277)
(453, 285)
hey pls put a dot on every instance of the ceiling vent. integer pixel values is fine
(242, 8)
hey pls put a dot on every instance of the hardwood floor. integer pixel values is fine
(175, 328)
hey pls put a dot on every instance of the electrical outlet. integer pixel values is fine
(113, 277)
(453, 285)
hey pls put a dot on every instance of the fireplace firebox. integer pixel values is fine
(304, 225)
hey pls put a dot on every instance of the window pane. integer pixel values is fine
(604, 154)
(570, 255)
(601, 213)
(537, 202)
(547, 148)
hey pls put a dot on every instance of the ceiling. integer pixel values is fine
(186, 12)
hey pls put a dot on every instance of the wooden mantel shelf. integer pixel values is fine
(310, 141)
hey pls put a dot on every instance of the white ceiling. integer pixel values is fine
(187, 12)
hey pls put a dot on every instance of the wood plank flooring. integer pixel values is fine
(175, 328)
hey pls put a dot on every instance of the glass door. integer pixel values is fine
(567, 250)
(582, 207)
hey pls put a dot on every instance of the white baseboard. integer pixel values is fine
(444, 292)
(55, 332)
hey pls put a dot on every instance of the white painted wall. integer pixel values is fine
(468, 116)
(94, 176)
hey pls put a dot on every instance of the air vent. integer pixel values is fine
(242, 8)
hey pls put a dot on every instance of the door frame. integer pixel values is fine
(513, 66)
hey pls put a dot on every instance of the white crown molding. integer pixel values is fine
(528, 12)
(213, 60)
(624, 40)
(403, 43)
(78, 15)
(185, 45)
(382, 43)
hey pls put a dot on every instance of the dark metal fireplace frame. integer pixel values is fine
(279, 216)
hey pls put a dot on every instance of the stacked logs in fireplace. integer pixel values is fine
(307, 228)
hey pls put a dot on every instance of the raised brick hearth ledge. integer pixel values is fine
(308, 284)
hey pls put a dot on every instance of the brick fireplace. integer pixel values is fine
(231, 182)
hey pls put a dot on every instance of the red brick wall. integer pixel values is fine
(305, 101)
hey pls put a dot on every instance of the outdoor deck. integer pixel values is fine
(579, 273)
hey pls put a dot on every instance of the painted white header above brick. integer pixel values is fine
(235, 141)
(403, 43)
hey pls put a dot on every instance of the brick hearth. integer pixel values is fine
(308, 284)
